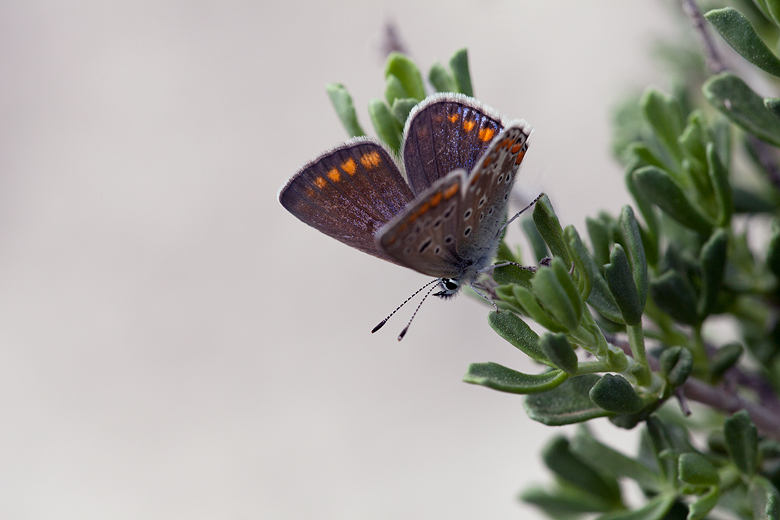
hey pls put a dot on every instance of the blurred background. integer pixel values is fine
(174, 344)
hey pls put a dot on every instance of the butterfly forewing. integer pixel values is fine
(445, 133)
(487, 191)
(349, 193)
(424, 236)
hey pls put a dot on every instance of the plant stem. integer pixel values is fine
(591, 367)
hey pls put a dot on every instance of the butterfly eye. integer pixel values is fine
(467, 231)
(425, 245)
(467, 214)
(437, 223)
(449, 239)
(449, 284)
(482, 201)
(500, 178)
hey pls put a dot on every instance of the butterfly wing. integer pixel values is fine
(443, 133)
(423, 236)
(349, 193)
(486, 193)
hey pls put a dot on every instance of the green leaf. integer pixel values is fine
(459, 64)
(407, 73)
(567, 404)
(621, 285)
(550, 228)
(401, 109)
(713, 265)
(560, 351)
(599, 239)
(665, 116)
(601, 299)
(729, 94)
(674, 295)
(765, 498)
(654, 509)
(534, 310)
(719, 176)
(607, 460)
(513, 274)
(441, 79)
(664, 192)
(743, 38)
(742, 441)
(345, 109)
(555, 298)
(535, 239)
(662, 443)
(582, 261)
(562, 273)
(636, 251)
(394, 90)
(566, 465)
(699, 508)
(386, 126)
(770, 9)
(676, 365)
(506, 299)
(565, 501)
(748, 201)
(520, 335)
(696, 469)
(693, 140)
(498, 377)
(615, 394)
(773, 252)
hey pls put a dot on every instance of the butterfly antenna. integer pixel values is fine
(382, 323)
(403, 332)
(520, 213)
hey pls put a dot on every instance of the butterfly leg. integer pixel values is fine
(489, 268)
(519, 213)
(486, 297)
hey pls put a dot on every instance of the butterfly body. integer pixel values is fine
(442, 219)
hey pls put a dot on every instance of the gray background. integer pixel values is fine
(173, 344)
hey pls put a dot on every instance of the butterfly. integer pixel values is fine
(445, 216)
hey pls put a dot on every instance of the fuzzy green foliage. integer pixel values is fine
(655, 272)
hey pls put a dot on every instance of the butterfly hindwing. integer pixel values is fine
(443, 133)
(487, 190)
(423, 237)
(349, 193)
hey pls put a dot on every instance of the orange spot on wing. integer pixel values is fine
(468, 126)
(334, 175)
(519, 157)
(349, 166)
(504, 144)
(488, 160)
(475, 178)
(451, 191)
(486, 134)
(435, 199)
(370, 160)
(320, 182)
(453, 118)
(516, 148)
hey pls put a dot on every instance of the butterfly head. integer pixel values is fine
(449, 287)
